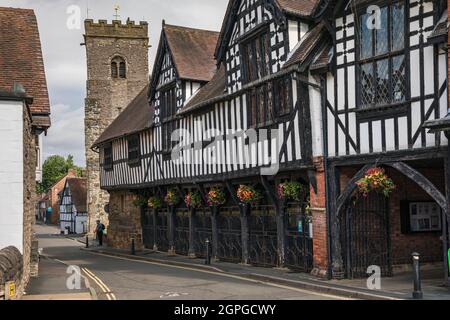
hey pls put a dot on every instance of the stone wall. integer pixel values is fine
(29, 184)
(11, 269)
(108, 97)
(125, 221)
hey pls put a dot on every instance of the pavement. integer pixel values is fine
(109, 277)
(399, 287)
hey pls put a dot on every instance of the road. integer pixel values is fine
(122, 279)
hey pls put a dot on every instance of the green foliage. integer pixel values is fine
(54, 168)
(140, 201)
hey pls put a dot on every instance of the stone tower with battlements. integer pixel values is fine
(117, 70)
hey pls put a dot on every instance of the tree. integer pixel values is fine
(54, 168)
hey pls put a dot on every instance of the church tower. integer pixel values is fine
(117, 70)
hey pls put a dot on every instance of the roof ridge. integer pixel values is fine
(189, 28)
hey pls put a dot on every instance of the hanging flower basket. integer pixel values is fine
(172, 198)
(155, 203)
(290, 191)
(216, 197)
(248, 194)
(193, 200)
(139, 201)
(376, 180)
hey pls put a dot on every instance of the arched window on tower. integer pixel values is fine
(113, 69)
(122, 70)
(118, 68)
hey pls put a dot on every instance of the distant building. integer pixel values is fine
(54, 199)
(24, 117)
(73, 209)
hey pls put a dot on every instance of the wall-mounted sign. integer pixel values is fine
(10, 290)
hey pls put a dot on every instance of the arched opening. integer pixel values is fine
(383, 232)
(118, 68)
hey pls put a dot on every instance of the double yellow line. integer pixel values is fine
(106, 290)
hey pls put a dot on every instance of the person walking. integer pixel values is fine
(99, 232)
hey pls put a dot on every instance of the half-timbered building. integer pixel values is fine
(310, 92)
(72, 207)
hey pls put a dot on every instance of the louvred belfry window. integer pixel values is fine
(382, 63)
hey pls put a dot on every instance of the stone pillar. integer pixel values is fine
(155, 231)
(171, 218)
(319, 221)
(215, 232)
(245, 233)
(281, 234)
(192, 218)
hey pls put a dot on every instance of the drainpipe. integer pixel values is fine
(325, 166)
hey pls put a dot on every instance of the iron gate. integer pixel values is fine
(203, 230)
(162, 239)
(229, 247)
(148, 232)
(299, 245)
(263, 236)
(182, 231)
(365, 236)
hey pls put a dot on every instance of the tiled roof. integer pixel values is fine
(298, 7)
(323, 59)
(441, 28)
(213, 89)
(303, 50)
(21, 59)
(192, 51)
(78, 191)
(137, 117)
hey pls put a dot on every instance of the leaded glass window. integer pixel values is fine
(381, 55)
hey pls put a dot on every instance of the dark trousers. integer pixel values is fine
(100, 238)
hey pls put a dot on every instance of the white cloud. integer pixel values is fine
(66, 136)
(65, 59)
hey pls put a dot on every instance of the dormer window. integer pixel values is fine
(118, 68)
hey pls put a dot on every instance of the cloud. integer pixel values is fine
(65, 59)
(66, 136)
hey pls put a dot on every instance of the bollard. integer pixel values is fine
(208, 250)
(133, 248)
(417, 294)
(87, 241)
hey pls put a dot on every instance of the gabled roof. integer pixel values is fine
(21, 60)
(302, 8)
(306, 46)
(137, 117)
(78, 191)
(213, 89)
(192, 51)
(298, 8)
(441, 28)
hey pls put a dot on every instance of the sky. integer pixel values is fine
(61, 33)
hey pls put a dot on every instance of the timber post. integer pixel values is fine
(155, 230)
(281, 234)
(338, 271)
(245, 232)
(215, 232)
(171, 217)
(191, 252)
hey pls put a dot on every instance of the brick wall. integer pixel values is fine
(428, 245)
(124, 221)
(319, 219)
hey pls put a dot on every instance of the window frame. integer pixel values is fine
(261, 32)
(389, 55)
(116, 64)
(108, 161)
(134, 151)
